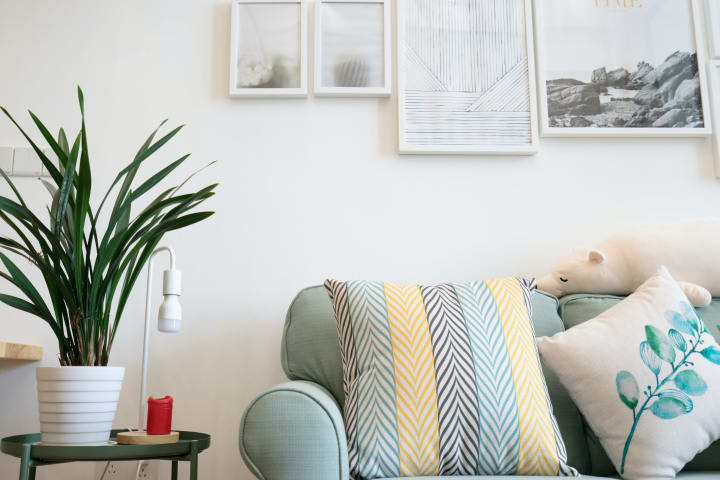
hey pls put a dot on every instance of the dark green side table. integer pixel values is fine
(32, 454)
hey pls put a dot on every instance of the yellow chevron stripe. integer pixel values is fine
(538, 450)
(418, 438)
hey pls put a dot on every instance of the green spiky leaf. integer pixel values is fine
(88, 273)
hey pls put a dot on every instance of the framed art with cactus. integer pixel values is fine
(353, 41)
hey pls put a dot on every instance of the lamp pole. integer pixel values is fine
(169, 317)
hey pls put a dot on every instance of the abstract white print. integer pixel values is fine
(268, 48)
(465, 80)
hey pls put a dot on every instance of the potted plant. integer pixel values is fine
(89, 260)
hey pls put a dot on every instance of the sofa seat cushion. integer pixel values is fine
(681, 476)
(698, 476)
(579, 308)
(522, 477)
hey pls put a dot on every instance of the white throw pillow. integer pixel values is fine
(646, 376)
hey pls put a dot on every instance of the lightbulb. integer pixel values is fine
(170, 313)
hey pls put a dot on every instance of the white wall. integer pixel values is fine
(310, 188)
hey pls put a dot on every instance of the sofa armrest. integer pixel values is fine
(294, 430)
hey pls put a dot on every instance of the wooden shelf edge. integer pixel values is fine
(19, 351)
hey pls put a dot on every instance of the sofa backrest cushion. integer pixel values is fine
(576, 309)
(311, 352)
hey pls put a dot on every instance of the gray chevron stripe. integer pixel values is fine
(455, 376)
(337, 291)
(529, 286)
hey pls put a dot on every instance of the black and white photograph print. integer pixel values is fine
(712, 16)
(621, 67)
(267, 49)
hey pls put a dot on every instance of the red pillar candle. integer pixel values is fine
(159, 417)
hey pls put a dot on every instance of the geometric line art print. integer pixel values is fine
(466, 76)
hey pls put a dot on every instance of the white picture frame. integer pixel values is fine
(301, 88)
(483, 138)
(712, 17)
(383, 90)
(713, 67)
(696, 32)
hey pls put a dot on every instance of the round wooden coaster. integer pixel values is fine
(142, 438)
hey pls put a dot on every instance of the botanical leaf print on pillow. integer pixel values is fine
(655, 407)
(674, 353)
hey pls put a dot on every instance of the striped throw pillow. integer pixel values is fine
(444, 380)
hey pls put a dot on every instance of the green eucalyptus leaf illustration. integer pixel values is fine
(690, 382)
(677, 340)
(692, 317)
(671, 404)
(627, 388)
(650, 358)
(660, 344)
(679, 322)
(712, 353)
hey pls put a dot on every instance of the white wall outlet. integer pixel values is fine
(51, 155)
(26, 163)
(146, 472)
(6, 159)
(115, 471)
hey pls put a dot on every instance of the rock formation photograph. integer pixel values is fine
(597, 76)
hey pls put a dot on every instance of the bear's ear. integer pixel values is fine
(596, 256)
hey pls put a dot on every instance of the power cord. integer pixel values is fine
(105, 470)
(139, 467)
(107, 464)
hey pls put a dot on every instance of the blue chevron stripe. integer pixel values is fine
(376, 427)
(497, 408)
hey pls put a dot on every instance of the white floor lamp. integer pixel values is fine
(169, 315)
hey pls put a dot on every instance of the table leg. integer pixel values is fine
(174, 470)
(193, 461)
(25, 463)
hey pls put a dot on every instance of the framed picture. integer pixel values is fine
(621, 68)
(714, 80)
(466, 77)
(712, 15)
(352, 48)
(268, 50)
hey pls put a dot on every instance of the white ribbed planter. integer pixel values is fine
(78, 404)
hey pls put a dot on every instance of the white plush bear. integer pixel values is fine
(617, 266)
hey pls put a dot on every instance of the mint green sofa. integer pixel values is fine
(295, 430)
